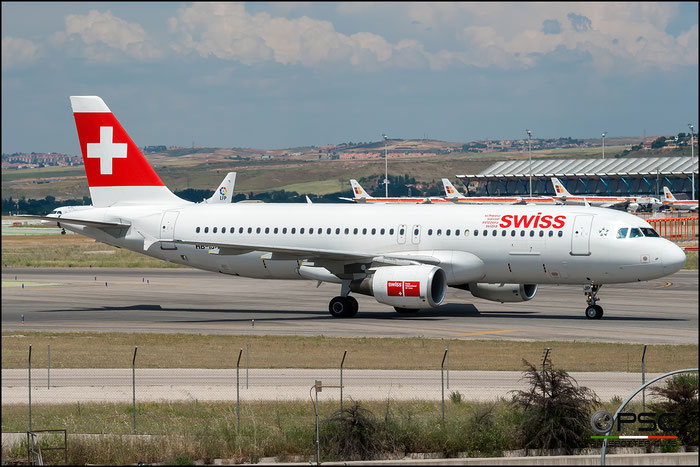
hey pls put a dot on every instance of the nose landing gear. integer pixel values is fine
(593, 311)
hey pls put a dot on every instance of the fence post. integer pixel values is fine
(48, 366)
(442, 379)
(447, 364)
(246, 366)
(318, 386)
(238, 394)
(644, 402)
(30, 387)
(341, 382)
(544, 374)
(133, 384)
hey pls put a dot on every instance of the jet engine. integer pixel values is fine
(419, 286)
(504, 292)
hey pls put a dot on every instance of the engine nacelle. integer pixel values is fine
(419, 286)
(504, 292)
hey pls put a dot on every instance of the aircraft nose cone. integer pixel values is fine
(673, 258)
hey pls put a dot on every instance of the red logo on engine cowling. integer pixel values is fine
(411, 289)
(394, 288)
(403, 288)
(538, 221)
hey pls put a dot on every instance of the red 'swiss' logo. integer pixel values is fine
(394, 288)
(532, 221)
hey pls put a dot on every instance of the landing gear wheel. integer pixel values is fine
(594, 312)
(342, 307)
(406, 311)
(355, 305)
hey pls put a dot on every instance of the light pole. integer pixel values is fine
(386, 168)
(604, 133)
(529, 154)
(692, 160)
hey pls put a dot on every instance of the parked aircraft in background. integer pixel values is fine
(679, 204)
(404, 255)
(224, 193)
(452, 194)
(361, 196)
(562, 195)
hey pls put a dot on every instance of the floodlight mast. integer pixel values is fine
(529, 135)
(604, 134)
(692, 161)
(386, 168)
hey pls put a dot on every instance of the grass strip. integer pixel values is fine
(115, 350)
(181, 433)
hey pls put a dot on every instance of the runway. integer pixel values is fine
(193, 301)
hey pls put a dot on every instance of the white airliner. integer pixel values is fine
(361, 196)
(563, 195)
(452, 194)
(405, 255)
(679, 204)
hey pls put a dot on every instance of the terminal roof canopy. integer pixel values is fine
(588, 168)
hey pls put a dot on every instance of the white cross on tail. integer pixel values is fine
(106, 150)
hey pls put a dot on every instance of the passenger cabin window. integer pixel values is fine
(391, 231)
(430, 231)
(223, 229)
(560, 234)
(206, 229)
(551, 233)
(476, 233)
(276, 230)
(214, 230)
(198, 229)
(240, 230)
(257, 230)
(622, 233)
(382, 231)
(635, 232)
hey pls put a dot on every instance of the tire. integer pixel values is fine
(341, 307)
(406, 311)
(594, 312)
(354, 304)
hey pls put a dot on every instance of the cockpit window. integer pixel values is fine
(649, 232)
(635, 232)
(622, 233)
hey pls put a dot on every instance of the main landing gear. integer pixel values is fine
(593, 311)
(343, 307)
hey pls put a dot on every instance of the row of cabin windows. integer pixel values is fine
(302, 230)
(355, 231)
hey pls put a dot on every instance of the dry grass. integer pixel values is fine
(115, 350)
(70, 250)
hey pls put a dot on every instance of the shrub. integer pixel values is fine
(352, 434)
(556, 410)
(680, 396)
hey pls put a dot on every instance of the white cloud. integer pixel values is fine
(228, 32)
(104, 34)
(17, 52)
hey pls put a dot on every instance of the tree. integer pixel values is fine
(659, 142)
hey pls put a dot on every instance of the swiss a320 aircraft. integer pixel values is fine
(404, 255)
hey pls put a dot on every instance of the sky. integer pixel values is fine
(282, 75)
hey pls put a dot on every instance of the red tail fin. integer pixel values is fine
(117, 171)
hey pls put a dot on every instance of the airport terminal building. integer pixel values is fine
(611, 177)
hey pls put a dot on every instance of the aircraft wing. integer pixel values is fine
(97, 224)
(615, 204)
(281, 252)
